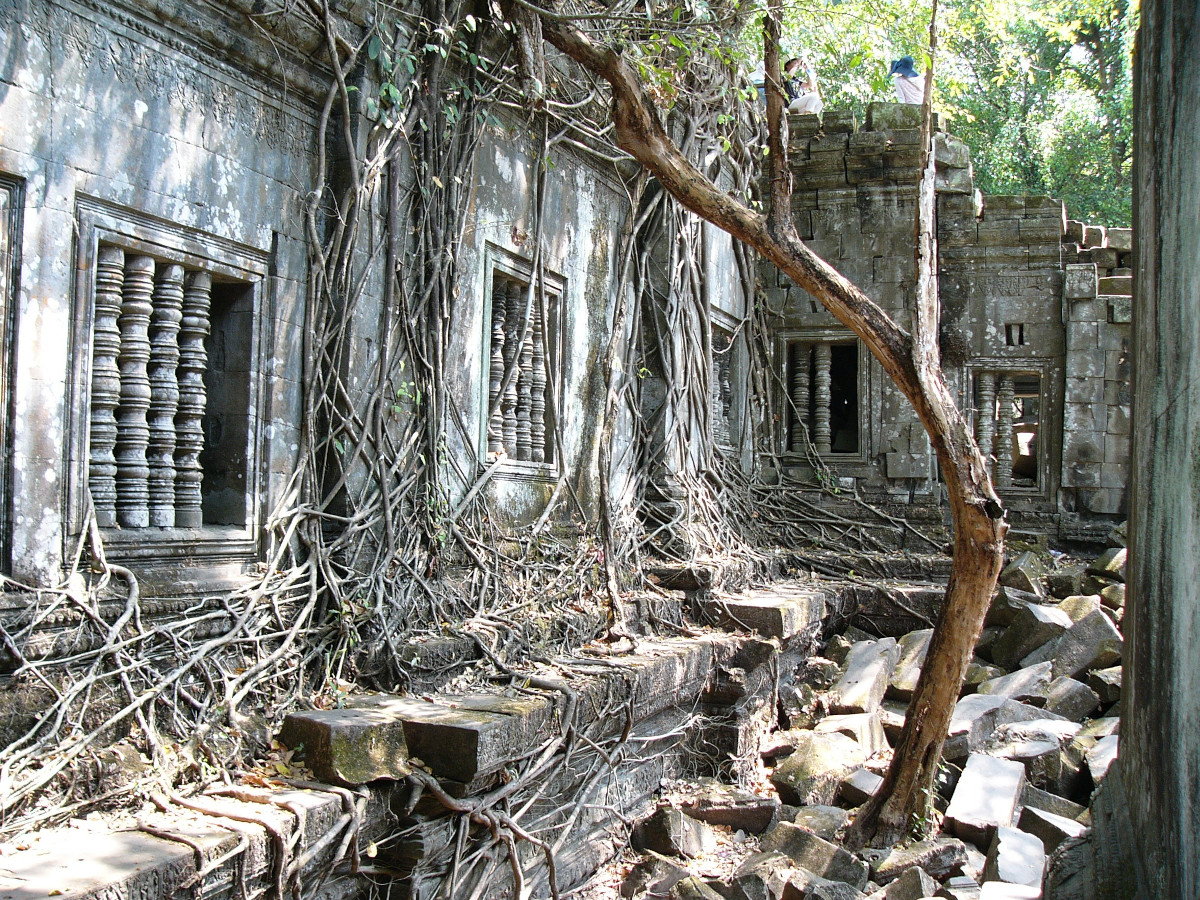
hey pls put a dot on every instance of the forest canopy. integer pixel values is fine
(1041, 90)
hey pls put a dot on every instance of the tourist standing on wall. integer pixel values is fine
(802, 92)
(910, 86)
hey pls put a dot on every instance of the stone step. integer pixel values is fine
(782, 611)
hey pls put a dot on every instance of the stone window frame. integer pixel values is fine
(1040, 369)
(833, 335)
(100, 222)
(12, 209)
(499, 261)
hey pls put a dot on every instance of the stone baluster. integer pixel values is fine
(537, 395)
(106, 384)
(132, 432)
(495, 435)
(1004, 432)
(821, 431)
(515, 296)
(189, 430)
(525, 389)
(801, 364)
(164, 393)
(985, 414)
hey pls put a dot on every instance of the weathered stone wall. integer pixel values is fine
(177, 139)
(1035, 350)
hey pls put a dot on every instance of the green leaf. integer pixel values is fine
(374, 45)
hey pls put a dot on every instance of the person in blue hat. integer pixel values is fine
(910, 85)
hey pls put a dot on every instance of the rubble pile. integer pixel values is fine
(1032, 736)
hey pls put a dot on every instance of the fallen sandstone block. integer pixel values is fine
(1100, 757)
(986, 798)
(1033, 797)
(812, 773)
(1106, 683)
(1015, 857)
(673, 833)
(865, 728)
(1023, 573)
(717, 803)
(1091, 643)
(1051, 829)
(938, 857)
(913, 648)
(1079, 605)
(859, 786)
(654, 875)
(1028, 684)
(1110, 564)
(1071, 699)
(1000, 890)
(1007, 603)
(869, 667)
(817, 855)
(1031, 628)
(823, 821)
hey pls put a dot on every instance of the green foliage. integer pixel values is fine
(1039, 89)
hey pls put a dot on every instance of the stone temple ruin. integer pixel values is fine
(156, 165)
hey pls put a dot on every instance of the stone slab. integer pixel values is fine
(817, 855)
(913, 648)
(1049, 828)
(1091, 643)
(1015, 857)
(1030, 628)
(813, 772)
(1071, 699)
(938, 857)
(866, 728)
(823, 821)
(869, 667)
(769, 613)
(1028, 684)
(859, 786)
(986, 798)
(348, 746)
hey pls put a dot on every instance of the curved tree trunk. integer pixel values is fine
(911, 363)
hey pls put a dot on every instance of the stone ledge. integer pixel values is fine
(781, 612)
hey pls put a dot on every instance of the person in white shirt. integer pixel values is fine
(910, 86)
(802, 93)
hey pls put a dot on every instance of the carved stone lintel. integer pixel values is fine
(132, 431)
(189, 431)
(106, 384)
(164, 393)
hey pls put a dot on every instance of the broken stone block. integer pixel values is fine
(1106, 683)
(938, 857)
(1015, 857)
(817, 855)
(823, 821)
(1044, 653)
(1051, 829)
(1029, 684)
(693, 888)
(1100, 757)
(1071, 699)
(1031, 628)
(913, 884)
(1002, 890)
(913, 647)
(673, 833)
(1094, 584)
(1079, 605)
(812, 773)
(960, 887)
(818, 672)
(1113, 596)
(764, 872)
(1110, 564)
(859, 786)
(892, 714)
(652, 875)
(1039, 746)
(1064, 582)
(832, 890)
(348, 746)
(869, 667)
(977, 673)
(1119, 536)
(1091, 643)
(1120, 239)
(1007, 603)
(989, 635)
(1024, 573)
(866, 728)
(1033, 797)
(717, 803)
(838, 648)
(973, 723)
(986, 798)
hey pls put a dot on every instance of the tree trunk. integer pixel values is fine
(978, 517)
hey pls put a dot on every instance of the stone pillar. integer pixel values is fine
(189, 431)
(164, 393)
(801, 363)
(133, 434)
(495, 428)
(514, 307)
(1004, 432)
(537, 392)
(106, 384)
(985, 414)
(821, 433)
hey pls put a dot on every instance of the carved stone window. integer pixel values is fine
(1008, 410)
(522, 365)
(170, 394)
(10, 232)
(825, 379)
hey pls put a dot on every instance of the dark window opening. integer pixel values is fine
(823, 388)
(1015, 334)
(722, 387)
